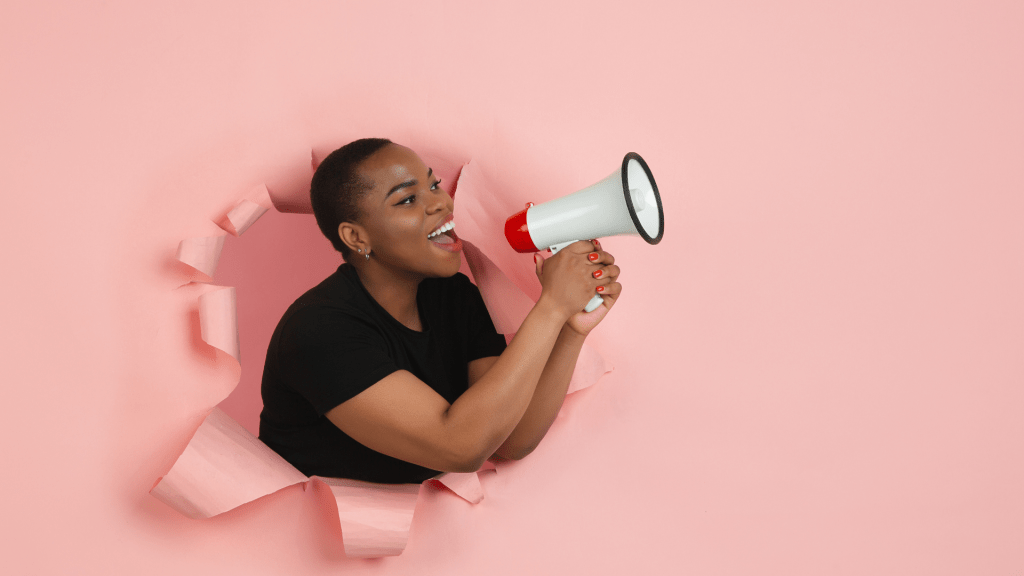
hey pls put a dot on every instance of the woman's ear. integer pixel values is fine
(353, 236)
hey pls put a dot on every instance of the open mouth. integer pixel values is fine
(444, 236)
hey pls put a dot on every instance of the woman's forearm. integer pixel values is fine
(486, 414)
(547, 397)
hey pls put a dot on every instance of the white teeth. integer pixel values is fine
(442, 229)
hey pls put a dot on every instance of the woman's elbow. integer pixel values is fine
(469, 455)
(465, 458)
(471, 461)
(466, 463)
(513, 452)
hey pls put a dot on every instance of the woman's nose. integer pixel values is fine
(439, 202)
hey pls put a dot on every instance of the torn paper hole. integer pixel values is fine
(225, 466)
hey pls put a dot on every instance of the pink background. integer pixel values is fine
(818, 371)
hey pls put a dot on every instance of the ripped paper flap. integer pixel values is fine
(218, 319)
(291, 195)
(465, 484)
(247, 212)
(375, 518)
(202, 254)
(316, 156)
(506, 303)
(223, 467)
(480, 214)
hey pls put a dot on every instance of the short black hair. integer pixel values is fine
(336, 188)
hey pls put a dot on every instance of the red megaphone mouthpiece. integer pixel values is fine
(518, 233)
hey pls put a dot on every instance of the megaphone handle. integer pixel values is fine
(596, 300)
(556, 248)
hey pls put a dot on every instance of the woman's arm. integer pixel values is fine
(554, 381)
(404, 418)
(547, 397)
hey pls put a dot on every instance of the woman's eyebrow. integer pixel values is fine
(398, 187)
(407, 183)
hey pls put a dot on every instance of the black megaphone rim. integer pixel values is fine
(629, 203)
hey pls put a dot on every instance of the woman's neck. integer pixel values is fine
(396, 293)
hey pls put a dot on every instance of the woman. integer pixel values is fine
(391, 370)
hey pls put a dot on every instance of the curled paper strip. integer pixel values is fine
(293, 196)
(247, 212)
(374, 518)
(202, 254)
(225, 466)
(218, 320)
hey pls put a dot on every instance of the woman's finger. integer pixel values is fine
(610, 293)
(601, 257)
(606, 274)
(610, 289)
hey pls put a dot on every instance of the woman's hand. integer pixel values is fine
(573, 276)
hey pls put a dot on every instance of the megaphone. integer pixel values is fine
(626, 202)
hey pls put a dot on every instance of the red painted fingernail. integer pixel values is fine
(593, 256)
(600, 288)
(598, 273)
(535, 257)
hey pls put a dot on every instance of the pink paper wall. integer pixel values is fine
(818, 371)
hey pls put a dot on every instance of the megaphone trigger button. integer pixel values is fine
(529, 204)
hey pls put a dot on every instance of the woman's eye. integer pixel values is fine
(407, 200)
(435, 185)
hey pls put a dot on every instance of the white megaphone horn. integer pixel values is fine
(626, 202)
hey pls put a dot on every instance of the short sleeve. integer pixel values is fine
(330, 356)
(484, 340)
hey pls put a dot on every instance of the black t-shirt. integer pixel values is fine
(336, 341)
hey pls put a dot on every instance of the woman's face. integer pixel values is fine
(406, 205)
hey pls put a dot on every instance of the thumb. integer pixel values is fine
(539, 263)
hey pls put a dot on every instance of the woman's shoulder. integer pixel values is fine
(336, 299)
